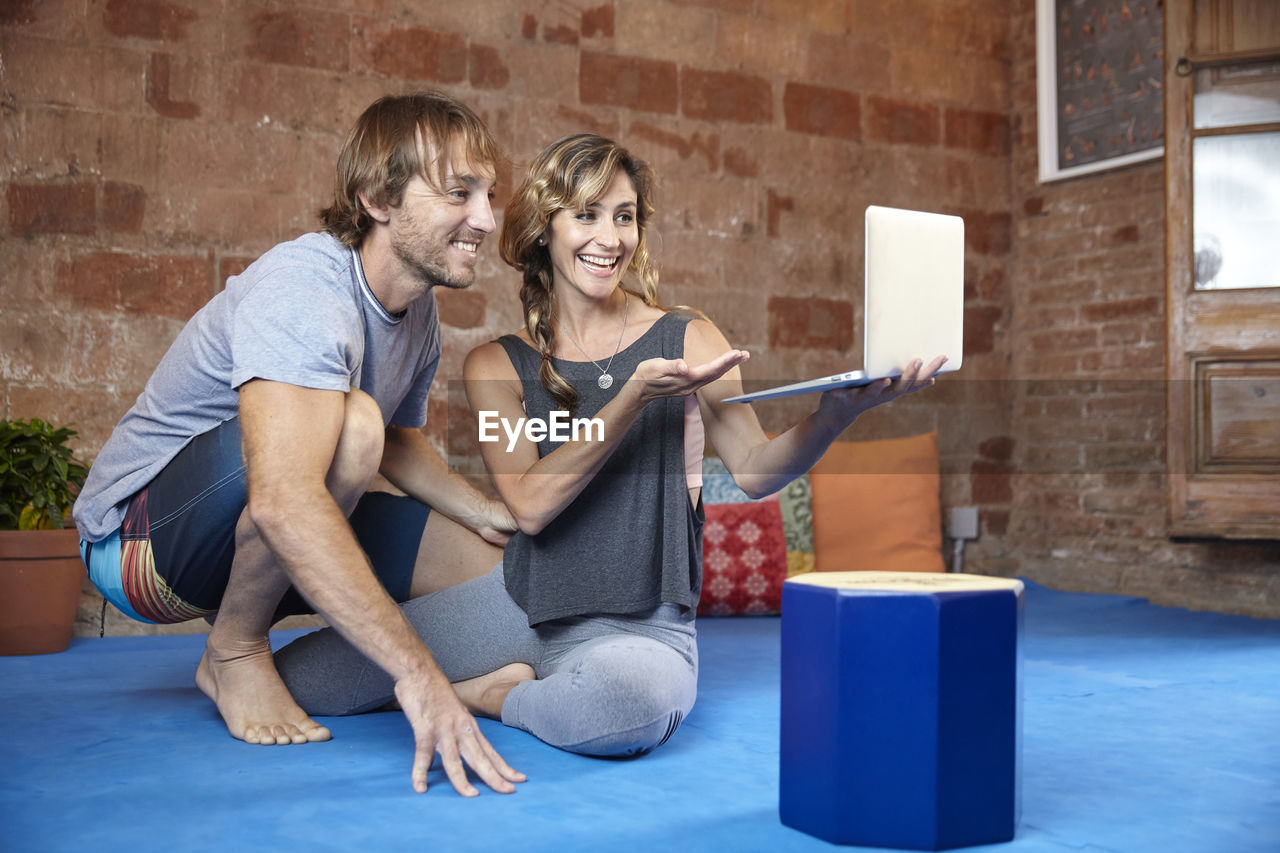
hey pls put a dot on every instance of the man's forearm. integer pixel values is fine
(411, 463)
(315, 546)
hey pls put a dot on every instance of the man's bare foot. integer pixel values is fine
(253, 701)
(483, 695)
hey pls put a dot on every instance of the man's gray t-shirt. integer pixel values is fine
(302, 314)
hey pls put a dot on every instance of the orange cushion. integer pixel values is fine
(876, 506)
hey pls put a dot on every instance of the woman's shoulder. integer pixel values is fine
(490, 360)
(701, 332)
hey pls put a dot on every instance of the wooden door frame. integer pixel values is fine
(1204, 501)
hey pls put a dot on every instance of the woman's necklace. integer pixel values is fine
(605, 380)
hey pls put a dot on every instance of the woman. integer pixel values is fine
(584, 634)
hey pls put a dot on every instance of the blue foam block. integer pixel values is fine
(901, 722)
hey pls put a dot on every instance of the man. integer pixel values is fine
(227, 488)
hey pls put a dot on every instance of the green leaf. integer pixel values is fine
(39, 477)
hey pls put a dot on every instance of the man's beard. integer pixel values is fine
(433, 271)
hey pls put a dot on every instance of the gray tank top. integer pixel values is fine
(631, 540)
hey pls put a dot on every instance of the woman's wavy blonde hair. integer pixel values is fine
(570, 174)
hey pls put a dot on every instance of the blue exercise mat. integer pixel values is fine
(1145, 729)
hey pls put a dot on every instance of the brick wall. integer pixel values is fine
(1088, 499)
(154, 148)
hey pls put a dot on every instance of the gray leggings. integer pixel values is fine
(606, 685)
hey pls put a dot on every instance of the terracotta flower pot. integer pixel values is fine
(40, 578)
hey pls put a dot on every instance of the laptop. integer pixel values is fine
(914, 306)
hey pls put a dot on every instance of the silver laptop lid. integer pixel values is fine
(914, 286)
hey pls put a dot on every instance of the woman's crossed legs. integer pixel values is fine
(606, 685)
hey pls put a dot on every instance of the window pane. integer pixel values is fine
(1232, 95)
(1237, 210)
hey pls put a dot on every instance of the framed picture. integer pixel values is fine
(1100, 84)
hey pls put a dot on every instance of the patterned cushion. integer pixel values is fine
(750, 547)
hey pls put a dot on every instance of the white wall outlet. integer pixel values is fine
(964, 522)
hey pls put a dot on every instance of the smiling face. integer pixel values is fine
(436, 231)
(592, 248)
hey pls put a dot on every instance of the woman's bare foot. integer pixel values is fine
(253, 701)
(483, 695)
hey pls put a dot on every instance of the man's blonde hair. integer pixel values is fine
(397, 137)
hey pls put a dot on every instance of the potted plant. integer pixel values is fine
(40, 568)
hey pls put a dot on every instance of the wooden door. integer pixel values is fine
(1223, 415)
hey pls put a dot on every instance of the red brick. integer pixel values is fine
(163, 285)
(991, 482)
(725, 96)
(976, 130)
(18, 12)
(148, 19)
(1033, 206)
(822, 111)
(413, 53)
(776, 205)
(704, 144)
(487, 70)
(997, 449)
(462, 309)
(51, 209)
(529, 27)
(1102, 312)
(306, 38)
(123, 207)
(1124, 234)
(598, 21)
(902, 122)
(740, 163)
(627, 81)
(560, 34)
(988, 233)
(158, 91)
(810, 323)
(980, 323)
(229, 265)
(996, 522)
(991, 286)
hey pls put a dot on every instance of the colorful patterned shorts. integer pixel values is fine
(171, 558)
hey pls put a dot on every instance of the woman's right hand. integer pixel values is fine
(666, 377)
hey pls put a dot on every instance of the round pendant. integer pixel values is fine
(605, 380)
